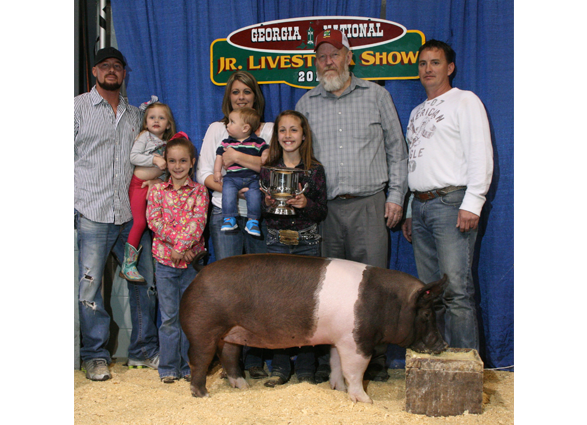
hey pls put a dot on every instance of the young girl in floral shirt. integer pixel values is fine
(176, 213)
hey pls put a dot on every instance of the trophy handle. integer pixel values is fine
(299, 192)
(263, 188)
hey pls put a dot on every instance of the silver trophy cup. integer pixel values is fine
(283, 185)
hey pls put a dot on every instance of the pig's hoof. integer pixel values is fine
(200, 394)
(239, 383)
(337, 384)
(362, 397)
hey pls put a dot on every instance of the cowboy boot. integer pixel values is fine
(128, 270)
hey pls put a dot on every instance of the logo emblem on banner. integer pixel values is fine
(283, 51)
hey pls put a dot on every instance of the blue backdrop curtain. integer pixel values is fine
(167, 45)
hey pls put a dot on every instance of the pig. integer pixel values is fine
(280, 301)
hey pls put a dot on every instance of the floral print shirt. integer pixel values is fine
(177, 218)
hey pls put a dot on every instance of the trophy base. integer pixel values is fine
(282, 210)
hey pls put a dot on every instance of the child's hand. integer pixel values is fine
(189, 256)
(269, 201)
(299, 201)
(217, 176)
(151, 184)
(159, 161)
(176, 257)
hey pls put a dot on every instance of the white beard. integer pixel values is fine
(335, 82)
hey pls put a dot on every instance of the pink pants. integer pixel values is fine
(138, 208)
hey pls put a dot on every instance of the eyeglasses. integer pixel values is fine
(105, 66)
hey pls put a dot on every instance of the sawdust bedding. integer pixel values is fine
(137, 396)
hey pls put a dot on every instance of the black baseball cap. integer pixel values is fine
(107, 53)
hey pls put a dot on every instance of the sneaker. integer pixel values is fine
(252, 228)
(153, 363)
(257, 372)
(376, 372)
(229, 224)
(169, 379)
(322, 373)
(96, 369)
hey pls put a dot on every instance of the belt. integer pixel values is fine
(431, 194)
(291, 237)
(346, 197)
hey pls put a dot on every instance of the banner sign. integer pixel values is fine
(283, 51)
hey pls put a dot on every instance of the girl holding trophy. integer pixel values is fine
(296, 232)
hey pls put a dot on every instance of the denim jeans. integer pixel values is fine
(310, 247)
(95, 242)
(439, 248)
(173, 354)
(237, 242)
(230, 187)
(304, 362)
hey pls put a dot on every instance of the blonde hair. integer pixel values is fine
(168, 132)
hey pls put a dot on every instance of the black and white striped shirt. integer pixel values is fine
(102, 145)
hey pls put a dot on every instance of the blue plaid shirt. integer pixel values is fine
(359, 140)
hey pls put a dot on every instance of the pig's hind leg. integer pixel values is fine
(229, 358)
(200, 358)
(336, 378)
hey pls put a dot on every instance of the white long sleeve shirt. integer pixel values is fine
(449, 144)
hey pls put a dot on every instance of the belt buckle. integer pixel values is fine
(289, 237)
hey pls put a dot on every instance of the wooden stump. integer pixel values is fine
(445, 384)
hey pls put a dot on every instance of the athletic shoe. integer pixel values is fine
(229, 224)
(252, 228)
(96, 369)
(153, 363)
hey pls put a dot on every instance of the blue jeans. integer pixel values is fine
(311, 247)
(173, 354)
(439, 248)
(304, 362)
(95, 242)
(230, 188)
(237, 242)
(305, 359)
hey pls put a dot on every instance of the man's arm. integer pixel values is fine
(395, 150)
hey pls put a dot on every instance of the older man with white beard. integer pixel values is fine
(358, 138)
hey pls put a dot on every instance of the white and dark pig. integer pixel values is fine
(280, 301)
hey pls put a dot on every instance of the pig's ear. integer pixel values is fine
(432, 290)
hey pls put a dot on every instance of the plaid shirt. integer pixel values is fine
(358, 138)
(102, 168)
(177, 219)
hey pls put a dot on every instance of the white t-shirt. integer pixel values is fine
(449, 144)
(215, 134)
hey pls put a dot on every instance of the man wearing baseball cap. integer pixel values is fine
(105, 127)
(358, 138)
